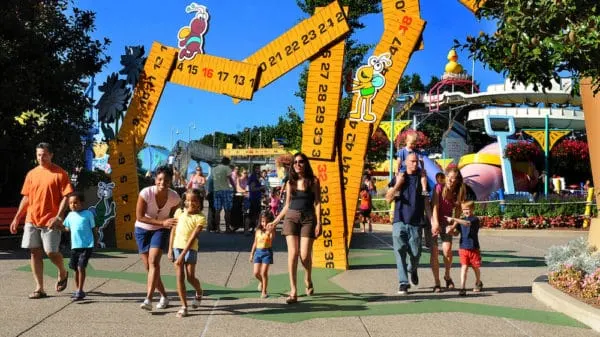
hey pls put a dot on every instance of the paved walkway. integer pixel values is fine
(358, 302)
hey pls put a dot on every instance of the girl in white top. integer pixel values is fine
(155, 207)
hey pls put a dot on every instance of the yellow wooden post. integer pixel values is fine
(591, 106)
(588, 207)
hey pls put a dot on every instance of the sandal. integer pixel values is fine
(37, 294)
(62, 284)
(291, 299)
(182, 312)
(437, 289)
(449, 283)
(310, 290)
(462, 292)
(478, 287)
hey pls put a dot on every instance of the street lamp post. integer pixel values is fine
(176, 131)
(190, 127)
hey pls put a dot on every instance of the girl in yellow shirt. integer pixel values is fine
(262, 252)
(183, 247)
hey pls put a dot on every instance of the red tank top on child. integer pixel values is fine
(445, 206)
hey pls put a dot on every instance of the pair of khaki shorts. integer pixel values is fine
(41, 237)
(299, 223)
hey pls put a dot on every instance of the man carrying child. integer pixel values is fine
(407, 192)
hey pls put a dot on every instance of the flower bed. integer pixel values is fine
(533, 222)
(557, 212)
(575, 269)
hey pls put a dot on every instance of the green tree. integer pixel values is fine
(416, 85)
(432, 82)
(220, 139)
(434, 129)
(538, 40)
(289, 128)
(378, 147)
(46, 56)
(404, 84)
(411, 83)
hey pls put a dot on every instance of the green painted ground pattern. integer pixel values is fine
(331, 300)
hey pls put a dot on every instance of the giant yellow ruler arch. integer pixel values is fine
(337, 147)
(211, 73)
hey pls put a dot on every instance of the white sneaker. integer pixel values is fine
(163, 303)
(146, 305)
(196, 303)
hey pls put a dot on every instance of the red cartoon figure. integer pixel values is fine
(191, 38)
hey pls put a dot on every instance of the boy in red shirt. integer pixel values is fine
(469, 246)
(365, 208)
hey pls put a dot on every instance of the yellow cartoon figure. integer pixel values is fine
(367, 82)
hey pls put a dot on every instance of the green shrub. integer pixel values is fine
(380, 205)
(576, 254)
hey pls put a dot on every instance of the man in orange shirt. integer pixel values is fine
(44, 201)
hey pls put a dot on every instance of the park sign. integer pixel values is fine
(454, 142)
(250, 152)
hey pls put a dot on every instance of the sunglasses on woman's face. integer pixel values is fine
(300, 161)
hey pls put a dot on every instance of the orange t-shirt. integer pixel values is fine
(45, 189)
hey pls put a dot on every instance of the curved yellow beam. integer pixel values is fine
(479, 158)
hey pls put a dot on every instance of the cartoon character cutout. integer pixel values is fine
(104, 210)
(368, 80)
(191, 38)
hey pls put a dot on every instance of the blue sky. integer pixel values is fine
(236, 30)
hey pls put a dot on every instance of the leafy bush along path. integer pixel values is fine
(575, 269)
(332, 300)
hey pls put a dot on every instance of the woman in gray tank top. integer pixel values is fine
(301, 216)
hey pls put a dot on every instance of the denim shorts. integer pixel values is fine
(191, 257)
(223, 200)
(263, 255)
(80, 258)
(147, 239)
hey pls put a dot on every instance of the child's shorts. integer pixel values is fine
(191, 257)
(365, 212)
(80, 257)
(263, 255)
(470, 257)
